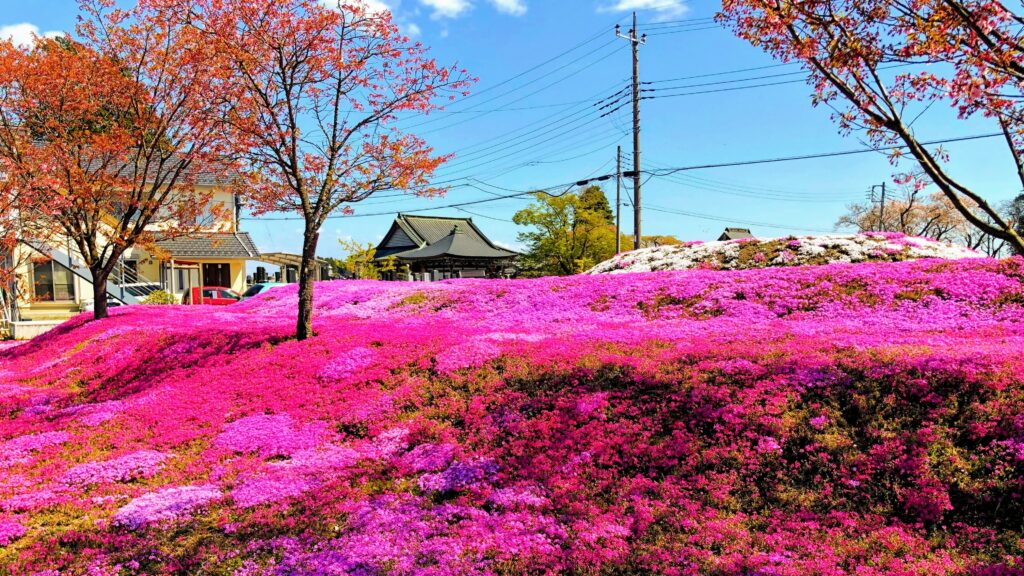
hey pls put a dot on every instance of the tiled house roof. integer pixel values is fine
(735, 234)
(424, 237)
(213, 245)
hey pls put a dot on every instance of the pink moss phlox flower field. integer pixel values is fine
(844, 419)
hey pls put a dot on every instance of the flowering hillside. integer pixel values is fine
(790, 251)
(844, 419)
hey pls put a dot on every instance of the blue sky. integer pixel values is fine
(541, 128)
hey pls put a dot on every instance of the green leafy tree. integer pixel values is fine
(569, 233)
(361, 261)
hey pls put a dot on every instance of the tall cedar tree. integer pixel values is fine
(848, 46)
(102, 138)
(320, 90)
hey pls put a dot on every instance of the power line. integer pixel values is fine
(534, 93)
(714, 218)
(687, 26)
(577, 120)
(560, 140)
(670, 171)
(715, 27)
(596, 36)
(762, 195)
(723, 73)
(676, 23)
(516, 194)
(546, 120)
(517, 109)
(666, 172)
(731, 81)
(747, 191)
(485, 216)
(658, 93)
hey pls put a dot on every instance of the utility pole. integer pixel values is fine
(881, 205)
(881, 208)
(635, 40)
(618, 200)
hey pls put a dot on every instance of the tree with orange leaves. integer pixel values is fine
(319, 91)
(101, 138)
(872, 56)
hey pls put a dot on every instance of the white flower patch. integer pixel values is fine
(843, 248)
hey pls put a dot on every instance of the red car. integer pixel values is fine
(211, 295)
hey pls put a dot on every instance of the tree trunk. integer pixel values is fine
(99, 294)
(307, 274)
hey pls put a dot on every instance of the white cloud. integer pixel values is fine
(513, 7)
(513, 246)
(372, 6)
(664, 9)
(410, 29)
(377, 6)
(447, 8)
(22, 34)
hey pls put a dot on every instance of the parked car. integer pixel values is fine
(211, 295)
(261, 288)
(90, 305)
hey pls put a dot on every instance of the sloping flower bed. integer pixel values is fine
(790, 251)
(844, 419)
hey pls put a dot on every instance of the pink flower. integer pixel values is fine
(141, 464)
(270, 435)
(768, 444)
(167, 504)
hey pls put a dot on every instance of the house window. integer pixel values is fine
(52, 282)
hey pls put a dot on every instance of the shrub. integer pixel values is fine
(159, 297)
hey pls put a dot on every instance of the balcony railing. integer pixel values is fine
(129, 283)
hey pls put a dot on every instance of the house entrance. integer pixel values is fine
(217, 275)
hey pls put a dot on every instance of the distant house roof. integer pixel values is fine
(286, 259)
(735, 234)
(427, 237)
(211, 245)
(199, 174)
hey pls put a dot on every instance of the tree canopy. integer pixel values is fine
(102, 136)
(569, 233)
(917, 212)
(361, 262)
(319, 88)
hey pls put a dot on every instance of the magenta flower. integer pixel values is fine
(460, 476)
(10, 530)
(819, 422)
